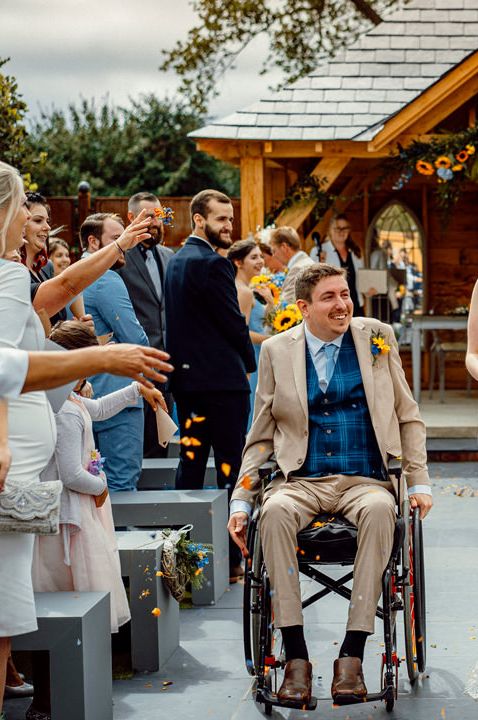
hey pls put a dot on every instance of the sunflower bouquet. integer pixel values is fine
(283, 317)
(267, 281)
(182, 561)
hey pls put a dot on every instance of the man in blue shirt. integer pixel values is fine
(119, 439)
(334, 406)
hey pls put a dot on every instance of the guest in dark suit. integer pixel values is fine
(143, 276)
(210, 348)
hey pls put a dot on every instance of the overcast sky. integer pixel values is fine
(61, 49)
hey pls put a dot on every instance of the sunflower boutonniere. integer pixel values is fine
(378, 346)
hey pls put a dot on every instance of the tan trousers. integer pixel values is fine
(290, 506)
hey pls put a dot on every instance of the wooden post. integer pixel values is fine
(252, 194)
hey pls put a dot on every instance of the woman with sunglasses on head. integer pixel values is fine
(341, 251)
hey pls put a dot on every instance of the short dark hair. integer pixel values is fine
(313, 274)
(139, 197)
(200, 202)
(93, 225)
(240, 250)
(287, 235)
(73, 335)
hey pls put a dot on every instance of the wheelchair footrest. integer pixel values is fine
(351, 700)
(264, 695)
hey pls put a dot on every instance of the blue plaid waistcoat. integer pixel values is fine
(341, 436)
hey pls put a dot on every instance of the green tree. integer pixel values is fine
(299, 33)
(121, 150)
(12, 129)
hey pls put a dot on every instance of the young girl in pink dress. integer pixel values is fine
(84, 556)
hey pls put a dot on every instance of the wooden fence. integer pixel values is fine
(71, 211)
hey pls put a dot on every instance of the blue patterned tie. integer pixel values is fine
(329, 350)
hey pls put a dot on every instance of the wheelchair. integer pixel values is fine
(333, 541)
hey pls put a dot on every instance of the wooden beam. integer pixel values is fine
(434, 104)
(329, 169)
(233, 150)
(252, 194)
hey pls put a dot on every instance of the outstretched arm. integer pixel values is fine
(54, 294)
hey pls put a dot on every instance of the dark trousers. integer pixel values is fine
(224, 429)
(151, 447)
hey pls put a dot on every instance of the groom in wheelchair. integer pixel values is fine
(333, 406)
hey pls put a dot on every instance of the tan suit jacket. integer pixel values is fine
(288, 288)
(281, 415)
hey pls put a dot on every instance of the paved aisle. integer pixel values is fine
(210, 681)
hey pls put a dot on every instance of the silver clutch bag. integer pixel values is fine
(32, 508)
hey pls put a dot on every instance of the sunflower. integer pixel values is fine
(286, 318)
(462, 156)
(444, 162)
(275, 293)
(470, 149)
(424, 168)
(259, 280)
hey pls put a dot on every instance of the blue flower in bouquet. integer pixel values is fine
(278, 279)
(445, 174)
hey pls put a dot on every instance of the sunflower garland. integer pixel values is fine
(449, 160)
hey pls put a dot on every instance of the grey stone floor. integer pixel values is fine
(211, 683)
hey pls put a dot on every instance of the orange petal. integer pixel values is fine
(190, 454)
(195, 442)
(156, 612)
(246, 482)
(198, 419)
(226, 469)
(188, 423)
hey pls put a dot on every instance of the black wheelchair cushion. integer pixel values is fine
(328, 539)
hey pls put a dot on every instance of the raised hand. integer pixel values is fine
(136, 232)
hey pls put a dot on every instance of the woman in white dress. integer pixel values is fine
(31, 425)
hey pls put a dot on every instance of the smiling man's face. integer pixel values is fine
(330, 310)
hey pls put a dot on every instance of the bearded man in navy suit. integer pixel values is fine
(208, 339)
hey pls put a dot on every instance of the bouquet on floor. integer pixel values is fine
(183, 561)
(283, 317)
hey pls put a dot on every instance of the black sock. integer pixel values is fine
(294, 643)
(353, 644)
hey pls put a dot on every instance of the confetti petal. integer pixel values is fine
(226, 469)
(190, 454)
(156, 612)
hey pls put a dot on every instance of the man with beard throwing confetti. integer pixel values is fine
(143, 275)
(210, 348)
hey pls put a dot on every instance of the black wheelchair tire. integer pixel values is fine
(252, 581)
(414, 602)
(419, 590)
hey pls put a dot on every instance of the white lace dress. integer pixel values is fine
(31, 436)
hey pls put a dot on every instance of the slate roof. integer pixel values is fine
(352, 95)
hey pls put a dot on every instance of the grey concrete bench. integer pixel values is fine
(160, 474)
(206, 510)
(76, 629)
(153, 639)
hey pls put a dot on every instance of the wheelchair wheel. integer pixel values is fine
(253, 601)
(414, 601)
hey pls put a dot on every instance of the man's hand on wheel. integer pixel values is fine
(237, 527)
(422, 501)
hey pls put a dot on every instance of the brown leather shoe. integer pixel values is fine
(297, 683)
(348, 683)
(236, 573)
